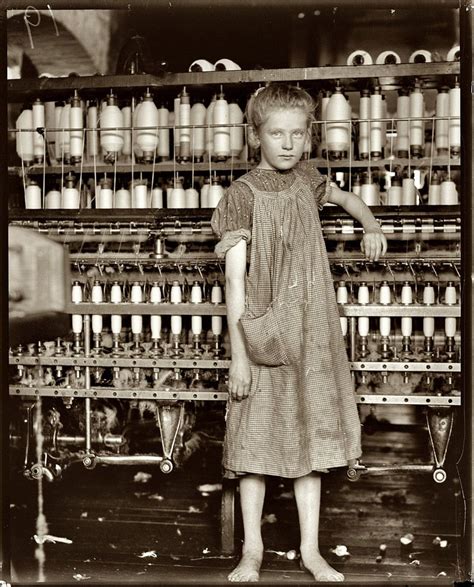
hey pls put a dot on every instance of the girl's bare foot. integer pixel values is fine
(248, 568)
(319, 568)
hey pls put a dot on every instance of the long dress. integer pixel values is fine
(300, 415)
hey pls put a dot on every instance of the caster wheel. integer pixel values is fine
(89, 462)
(36, 472)
(353, 474)
(439, 475)
(166, 466)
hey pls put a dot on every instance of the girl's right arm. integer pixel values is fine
(235, 271)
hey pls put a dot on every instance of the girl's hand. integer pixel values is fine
(374, 244)
(239, 378)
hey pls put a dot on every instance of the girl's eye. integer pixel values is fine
(276, 133)
(298, 133)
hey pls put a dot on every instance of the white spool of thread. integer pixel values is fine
(76, 298)
(221, 115)
(157, 197)
(205, 193)
(196, 298)
(402, 142)
(191, 198)
(338, 111)
(420, 56)
(136, 297)
(454, 54)
(185, 122)
(38, 113)
(198, 132)
(105, 197)
(76, 122)
(52, 200)
(408, 191)
(364, 113)
(201, 65)
(455, 120)
(395, 193)
(111, 118)
(226, 65)
(428, 294)
(407, 294)
(385, 299)
(155, 321)
(70, 196)
(369, 192)
(236, 117)
(92, 141)
(177, 197)
(417, 111)
(216, 192)
(216, 293)
(209, 128)
(388, 58)
(434, 191)
(449, 194)
(407, 299)
(116, 298)
(76, 293)
(57, 125)
(359, 57)
(155, 294)
(24, 140)
(127, 133)
(176, 325)
(363, 298)
(450, 295)
(342, 297)
(163, 133)
(123, 198)
(33, 196)
(176, 295)
(442, 126)
(377, 140)
(155, 327)
(216, 325)
(97, 297)
(196, 325)
(450, 298)
(140, 195)
(147, 127)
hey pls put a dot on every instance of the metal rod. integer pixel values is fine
(128, 459)
(352, 330)
(87, 379)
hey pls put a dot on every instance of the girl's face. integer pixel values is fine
(282, 138)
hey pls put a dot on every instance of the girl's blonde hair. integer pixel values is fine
(277, 96)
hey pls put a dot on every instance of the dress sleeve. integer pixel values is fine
(232, 218)
(320, 184)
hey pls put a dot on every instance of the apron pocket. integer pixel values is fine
(264, 342)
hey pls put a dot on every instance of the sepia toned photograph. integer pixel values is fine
(238, 245)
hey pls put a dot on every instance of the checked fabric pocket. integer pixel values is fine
(274, 338)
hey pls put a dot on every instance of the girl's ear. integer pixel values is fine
(253, 140)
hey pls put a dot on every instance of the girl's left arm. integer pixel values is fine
(374, 243)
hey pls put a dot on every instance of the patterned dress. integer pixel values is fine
(300, 415)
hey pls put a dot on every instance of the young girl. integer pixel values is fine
(292, 411)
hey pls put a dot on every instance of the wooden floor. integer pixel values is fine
(114, 521)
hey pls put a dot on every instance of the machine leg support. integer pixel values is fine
(228, 516)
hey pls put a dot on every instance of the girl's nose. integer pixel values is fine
(288, 142)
